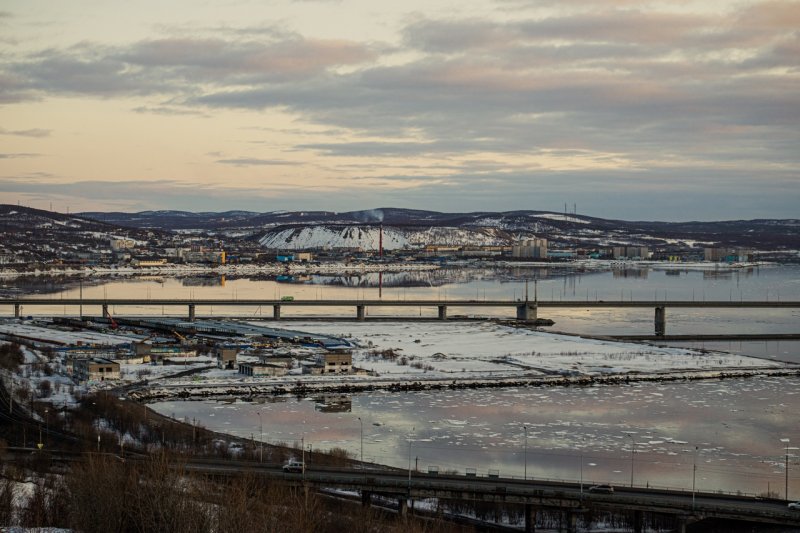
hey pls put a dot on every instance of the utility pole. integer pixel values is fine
(694, 475)
(525, 454)
(633, 449)
(362, 438)
(261, 437)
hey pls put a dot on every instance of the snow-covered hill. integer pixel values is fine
(367, 237)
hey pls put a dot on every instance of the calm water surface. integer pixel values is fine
(736, 426)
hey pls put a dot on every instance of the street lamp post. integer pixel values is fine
(46, 423)
(362, 438)
(261, 437)
(633, 450)
(409, 457)
(786, 447)
(694, 473)
(525, 453)
(581, 469)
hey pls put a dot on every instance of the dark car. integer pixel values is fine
(602, 489)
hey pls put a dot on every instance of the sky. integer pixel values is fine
(625, 109)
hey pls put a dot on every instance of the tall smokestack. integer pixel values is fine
(380, 242)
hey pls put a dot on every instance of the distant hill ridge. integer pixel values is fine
(288, 229)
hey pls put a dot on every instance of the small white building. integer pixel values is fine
(331, 363)
(262, 369)
(95, 369)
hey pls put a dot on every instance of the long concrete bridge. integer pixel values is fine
(526, 310)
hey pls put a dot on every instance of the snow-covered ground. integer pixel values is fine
(65, 337)
(487, 348)
(477, 352)
(369, 237)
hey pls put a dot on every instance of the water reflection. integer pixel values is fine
(554, 284)
(736, 426)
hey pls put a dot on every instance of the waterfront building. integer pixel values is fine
(95, 369)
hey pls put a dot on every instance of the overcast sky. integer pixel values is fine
(674, 110)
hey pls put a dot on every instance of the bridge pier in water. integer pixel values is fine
(17, 308)
(276, 312)
(528, 311)
(191, 313)
(360, 312)
(105, 310)
(442, 312)
(661, 320)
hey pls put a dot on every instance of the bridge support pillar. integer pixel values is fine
(17, 308)
(637, 521)
(530, 518)
(191, 312)
(105, 310)
(366, 498)
(528, 312)
(276, 312)
(360, 312)
(402, 507)
(442, 312)
(572, 522)
(661, 320)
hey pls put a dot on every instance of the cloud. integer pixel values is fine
(207, 59)
(251, 161)
(34, 132)
(173, 66)
(17, 155)
(658, 94)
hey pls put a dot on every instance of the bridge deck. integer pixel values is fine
(401, 303)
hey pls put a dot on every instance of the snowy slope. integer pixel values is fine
(367, 237)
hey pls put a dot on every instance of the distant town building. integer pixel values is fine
(226, 357)
(728, 255)
(331, 363)
(203, 255)
(95, 369)
(630, 252)
(148, 262)
(338, 363)
(262, 369)
(530, 248)
(121, 244)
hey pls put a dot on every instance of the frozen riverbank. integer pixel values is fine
(403, 356)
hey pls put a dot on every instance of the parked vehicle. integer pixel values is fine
(795, 506)
(293, 467)
(602, 489)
